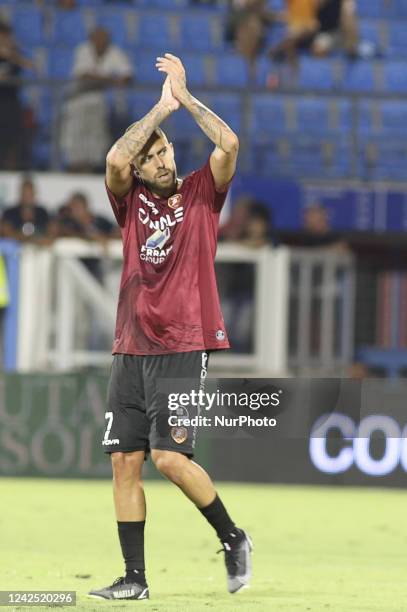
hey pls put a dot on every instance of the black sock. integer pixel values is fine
(220, 520)
(131, 535)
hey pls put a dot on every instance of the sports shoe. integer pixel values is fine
(120, 589)
(238, 562)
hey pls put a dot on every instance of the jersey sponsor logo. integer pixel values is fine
(220, 334)
(168, 220)
(153, 250)
(149, 203)
(175, 201)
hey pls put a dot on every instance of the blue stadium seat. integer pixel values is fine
(228, 107)
(313, 116)
(268, 116)
(68, 27)
(139, 103)
(344, 115)
(401, 8)
(385, 159)
(145, 70)
(397, 39)
(317, 74)
(367, 114)
(370, 31)
(231, 70)
(395, 76)
(154, 32)
(27, 23)
(166, 4)
(393, 115)
(374, 8)
(195, 68)
(359, 76)
(196, 32)
(60, 62)
(116, 22)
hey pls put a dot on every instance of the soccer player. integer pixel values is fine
(168, 321)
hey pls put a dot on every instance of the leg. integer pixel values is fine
(195, 483)
(198, 487)
(128, 492)
(186, 474)
(130, 506)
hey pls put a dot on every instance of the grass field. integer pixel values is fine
(316, 549)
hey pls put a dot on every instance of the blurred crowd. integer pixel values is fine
(29, 222)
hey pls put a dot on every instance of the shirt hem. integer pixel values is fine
(199, 347)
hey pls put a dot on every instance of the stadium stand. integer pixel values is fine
(362, 99)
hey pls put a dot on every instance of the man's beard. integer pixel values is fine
(164, 192)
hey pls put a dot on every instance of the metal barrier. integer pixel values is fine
(302, 306)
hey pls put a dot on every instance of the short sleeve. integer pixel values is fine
(120, 205)
(82, 60)
(211, 195)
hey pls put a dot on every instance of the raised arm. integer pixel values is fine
(224, 157)
(121, 155)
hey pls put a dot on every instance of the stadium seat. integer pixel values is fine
(395, 77)
(27, 23)
(359, 76)
(393, 116)
(317, 74)
(401, 8)
(139, 103)
(269, 116)
(145, 70)
(60, 62)
(377, 9)
(385, 159)
(195, 67)
(68, 27)
(397, 40)
(344, 115)
(228, 107)
(370, 31)
(196, 32)
(230, 70)
(166, 4)
(367, 118)
(155, 32)
(313, 116)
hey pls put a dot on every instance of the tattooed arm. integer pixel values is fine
(118, 170)
(224, 157)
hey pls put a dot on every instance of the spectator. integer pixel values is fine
(337, 26)
(76, 220)
(11, 118)
(85, 128)
(302, 25)
(234, 228)
(27, 221)
(246, 26)
(258, 232)
(316, 231)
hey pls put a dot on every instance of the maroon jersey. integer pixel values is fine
(168, 300)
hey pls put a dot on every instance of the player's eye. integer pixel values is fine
(163, 151)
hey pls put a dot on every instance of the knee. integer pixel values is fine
(126, 468)
(170, 464)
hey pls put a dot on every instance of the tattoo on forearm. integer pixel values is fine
(136, 136)
(213, 126)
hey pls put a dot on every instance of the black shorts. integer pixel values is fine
(139, 410)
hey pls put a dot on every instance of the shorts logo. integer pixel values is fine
(179, 434)
(106, 440)
(174, 201)
(220, 334)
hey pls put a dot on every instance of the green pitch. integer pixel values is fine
(316, 549)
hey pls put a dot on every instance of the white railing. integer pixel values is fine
(62, 305)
